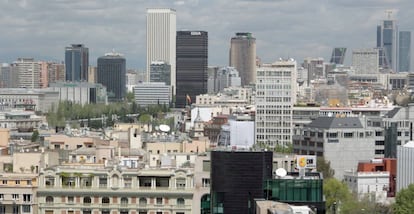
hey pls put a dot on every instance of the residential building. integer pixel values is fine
(161, 40)
(55, 72)
(275, 97)
(76, 63)
(111, 73)
(28, 73)
(152, 93)
(243, 56)
(18, 193)
(192, 62)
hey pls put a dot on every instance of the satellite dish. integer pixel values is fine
(165, 128)
(281, 172)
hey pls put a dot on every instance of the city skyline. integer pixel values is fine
(282, 28)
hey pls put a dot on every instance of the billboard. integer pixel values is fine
(306, 161)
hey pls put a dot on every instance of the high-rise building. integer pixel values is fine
(338, 56)
(56, 72)
(405, 171)
(92, 74)
(365, 61)
(28, 73)
(275, 96)
(315, 69)
(387, 40)
(243, 57)
(76, 62)
(192, 62)
(111, 73)
(6, 76)
(161, 39)
(404, 51)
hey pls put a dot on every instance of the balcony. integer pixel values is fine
(166, 207)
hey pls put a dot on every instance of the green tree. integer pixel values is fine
(35, 136)
(404, 202)
(130, 97)
(324, 167)
(336, 194)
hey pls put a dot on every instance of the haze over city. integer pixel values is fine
(283, 28)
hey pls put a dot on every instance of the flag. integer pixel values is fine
(188, 98)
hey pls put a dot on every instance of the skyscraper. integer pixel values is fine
(243, 57)
(28, 73)
(192, 62)
(111, 73)
(387, 40)
(404, 51)
(76, 62)
(275, 96)
(161, 40)
(365, 61)
(338, 56)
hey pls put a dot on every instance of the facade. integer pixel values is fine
(19, 120)
(18, 193)
(365, 61)
(315, 69)
(92, 74)
(405, 172)
(55, 72)
(161, 40)
(152, 93)
(243, 57)
(237, 133)
(6, 74)
(404, 51)
(28, 73)
(192, 62)
(117, 189)
(80, 92)
(160, 72)
(338, 56)
(112, 74)
(237, 178)
(227, 77)
(76, 63)
(275, 96)
(36, 99)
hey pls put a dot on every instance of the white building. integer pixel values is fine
(237, 133)
(365, 61)
(275, 96)
(81, 92)
(28, 72)
(152, 93)
(405, 169)
(34, 99)
(161, 39)
(368, 184)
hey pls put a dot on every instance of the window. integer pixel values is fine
(127, 183)
(26, 208)
(142, 201)
(180, 183)
(50, 181)
(105, 200)
(103, 182)
(87, 200)
(29, 182)
(15, 209)
(49, 200)
(124, 201)
(145, 181)
(180, 202)
(379, 142)
(17, 181)
(348, 135)
(162, 181)
(378, 133)
(15, 196)
(159, 200)
(206, 166)
(27, 197)
(70, 199)
(205, 182)
(1, 196)
(379, 152)
(4, 181)
(2, 209)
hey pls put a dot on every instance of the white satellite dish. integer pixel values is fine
(165, 128)
(281, 172)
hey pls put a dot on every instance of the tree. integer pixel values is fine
(404, 201)
(336, 193)
(324, 167)
(130, 96)
(35, 136)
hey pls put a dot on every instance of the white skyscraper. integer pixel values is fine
(275, 96)
(365, 61)
(161, 39)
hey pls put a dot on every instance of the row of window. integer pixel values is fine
(106, 200)
(26, 197)
(28, 182)
(16, 209)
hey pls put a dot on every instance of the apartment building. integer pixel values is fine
(17, 193)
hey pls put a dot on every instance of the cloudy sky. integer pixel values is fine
(283, 28)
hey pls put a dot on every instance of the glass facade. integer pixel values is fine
(76, 63)
(298, 190)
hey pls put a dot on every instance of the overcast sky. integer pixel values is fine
(283, 28)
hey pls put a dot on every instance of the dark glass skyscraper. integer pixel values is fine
(111, 73)
(338, 56)
(404, 51)
(192, 62)
(76, 62)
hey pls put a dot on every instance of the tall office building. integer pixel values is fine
(76, 62)
(338, 56)
(28, 73)
(161, 40)
(387, 40)
(6, 76)
(160, 72)
(365, 61)
(111, 73)
(405, 170)
(275, 96)
(243, 57)
(404, 51)
(192, 62)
